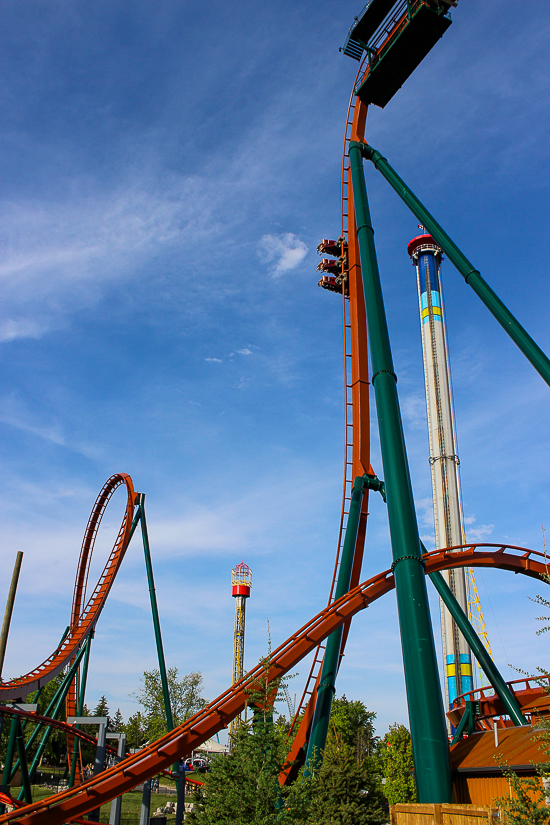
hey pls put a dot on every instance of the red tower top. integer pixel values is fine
(423, 243)
(241, 579)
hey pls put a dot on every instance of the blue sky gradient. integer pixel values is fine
(167, 172)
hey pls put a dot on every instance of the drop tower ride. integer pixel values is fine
(241, 582)
(426, 256)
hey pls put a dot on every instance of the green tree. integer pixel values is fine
(528, 805)
(136, 731)
(243, 787)
(398, 765)
(117, 723)
(185, 699)
(345, 791)
(353, 725)
(102, 708)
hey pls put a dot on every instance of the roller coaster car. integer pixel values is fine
(331, 283)
(330, 266)
(327, 247)
(397, 36)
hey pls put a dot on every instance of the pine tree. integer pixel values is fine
(243, 787)
(136, 731)
(117, 724)
(102, 708)
(345, 791)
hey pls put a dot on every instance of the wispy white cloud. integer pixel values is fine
(284, 252)
(213, 360)
(244, 351)
(14, 414)
(12, 328)
(480, 532)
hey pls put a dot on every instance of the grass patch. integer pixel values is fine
(131, 803)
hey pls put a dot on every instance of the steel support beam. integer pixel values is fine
(327, 681)
(116, 804)
(99, 762)
(25, 783)
(145, 803)
(180, 804)
(80, 708)
(60, 698)
(427, 720)
(489, 668)
(536, 357)
(155, 612)
(38, 727)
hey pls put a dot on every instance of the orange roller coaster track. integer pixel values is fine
(84, 620)
(71, 804)
(54, 723)
(356, 411)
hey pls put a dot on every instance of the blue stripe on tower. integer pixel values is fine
(450, 670)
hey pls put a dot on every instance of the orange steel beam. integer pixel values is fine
(84, 619)
(66, 806)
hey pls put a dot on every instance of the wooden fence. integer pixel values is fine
(444, 814)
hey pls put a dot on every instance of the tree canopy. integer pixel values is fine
(185, 699)
(398, 765)
(244, 786)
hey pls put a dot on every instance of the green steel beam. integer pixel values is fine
(464, 722)
(502, 690)
(427, 720)
(80, 712)
(62, 687)
(326, 689)
(12, 742)
(60, 694)
(155, 612)
(25, 783)
(537, 358)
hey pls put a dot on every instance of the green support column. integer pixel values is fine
(326, 689)
(12, 742)
(80, 709)
(427, 721)
(26, 785)
(155, 612)
(60, 693)
(502, 690)
(508, 322)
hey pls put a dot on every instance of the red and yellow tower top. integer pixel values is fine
(241, 579)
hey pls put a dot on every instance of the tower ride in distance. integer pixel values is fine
(241, 582)
(426, 256)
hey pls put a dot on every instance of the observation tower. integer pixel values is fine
(426, 256)
(241, 582)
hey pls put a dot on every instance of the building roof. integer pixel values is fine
(518, 748)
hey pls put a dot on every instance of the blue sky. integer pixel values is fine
(167, 172)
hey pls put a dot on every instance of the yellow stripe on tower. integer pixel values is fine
(435, 311)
